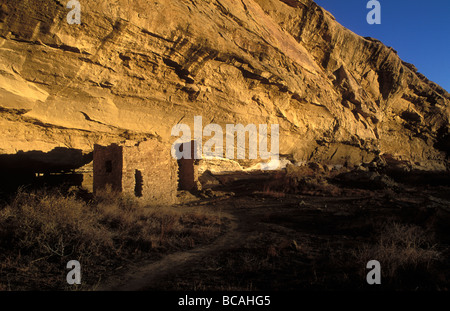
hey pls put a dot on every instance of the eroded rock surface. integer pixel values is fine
(135, 68)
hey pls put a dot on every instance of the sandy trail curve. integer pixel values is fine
(140, 278)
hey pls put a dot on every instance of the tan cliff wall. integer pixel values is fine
(133, 69)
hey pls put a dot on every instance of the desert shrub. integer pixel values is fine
(46, 225)
(300, 180)
(400, 249)
(41, 231)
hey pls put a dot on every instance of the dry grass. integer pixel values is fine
(400, 249)
(40, 232)
(301, 180)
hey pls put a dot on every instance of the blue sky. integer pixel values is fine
(418, 30)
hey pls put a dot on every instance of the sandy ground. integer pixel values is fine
(297, 242)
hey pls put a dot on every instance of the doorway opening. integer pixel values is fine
(138, 183)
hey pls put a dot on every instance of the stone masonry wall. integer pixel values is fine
(108, 163)
(152, 164)
(188, 170)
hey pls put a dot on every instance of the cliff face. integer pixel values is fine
(135, 68)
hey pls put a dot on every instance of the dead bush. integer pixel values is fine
(400, 248)
(300, 180)
(41, 231)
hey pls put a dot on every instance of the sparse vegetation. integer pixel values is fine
(324, 243)
(286, 235)
(401, 249)
(41, 231)
(301, 180)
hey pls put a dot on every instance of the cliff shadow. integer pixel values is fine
(36, 169)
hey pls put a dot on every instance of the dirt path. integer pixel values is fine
(142, 276)
(291, 243)
(243, 223)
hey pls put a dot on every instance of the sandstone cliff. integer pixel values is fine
(135, 68)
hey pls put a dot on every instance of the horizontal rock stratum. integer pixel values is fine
(135, 68)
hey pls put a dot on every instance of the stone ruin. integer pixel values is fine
(145, 170)
(188, 169)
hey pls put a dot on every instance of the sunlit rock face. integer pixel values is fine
(135, 68)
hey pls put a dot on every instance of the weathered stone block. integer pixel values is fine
(145, 170)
